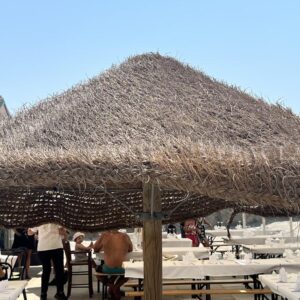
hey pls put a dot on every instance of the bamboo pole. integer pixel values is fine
(152, 242)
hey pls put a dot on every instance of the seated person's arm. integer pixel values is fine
(82, 247)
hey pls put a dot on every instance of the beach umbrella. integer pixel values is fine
(150, 141)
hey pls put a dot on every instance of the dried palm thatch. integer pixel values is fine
(80, 157)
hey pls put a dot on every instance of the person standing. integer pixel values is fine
(50, 248)
(190, 231)
(171, 228)
(201, 231)
(26, 242)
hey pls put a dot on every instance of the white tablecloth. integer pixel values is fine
(252, 240)
(267, 249)
(239, 232)
(14, 290)
(132, 235)
(200, 269)
(284, 289)
(198, 252)
(176, 242)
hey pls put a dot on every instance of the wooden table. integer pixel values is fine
(266, 251)
(176, 242)
(198, 252)
(239, 232)
(201, 269)
(283, 289)
(256, 240)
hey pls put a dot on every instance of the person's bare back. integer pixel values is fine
(115, 246)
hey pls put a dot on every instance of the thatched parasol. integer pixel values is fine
(80, 158)
(148, 140)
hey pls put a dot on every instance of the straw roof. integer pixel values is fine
(80, 157)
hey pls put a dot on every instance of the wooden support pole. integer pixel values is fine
(152, 242)
(264, 225)
(244, 220)
(291, 226)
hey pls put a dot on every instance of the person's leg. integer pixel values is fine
(111, 284)
(53, 281)
(45, 258)
(20, 268)
(20, 255)
(58, 263)
(116, 290)
(27, 263)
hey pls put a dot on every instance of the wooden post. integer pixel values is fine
(152, 242)
(264, 225)
(244, 220)
(291, 226)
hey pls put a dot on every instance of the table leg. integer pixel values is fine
(24, 294)
(207, 286)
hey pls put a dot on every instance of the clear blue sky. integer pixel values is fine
(48, 46)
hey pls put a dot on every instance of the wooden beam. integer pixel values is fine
(152, 242)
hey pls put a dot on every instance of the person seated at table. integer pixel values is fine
(115, 245)
(78, 238)
(24, 241)
(200, 228)
(171, 228)
(190, 231)
(81, 254)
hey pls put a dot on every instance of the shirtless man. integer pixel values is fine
(115, 245)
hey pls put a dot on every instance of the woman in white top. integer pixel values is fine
(50, 248)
